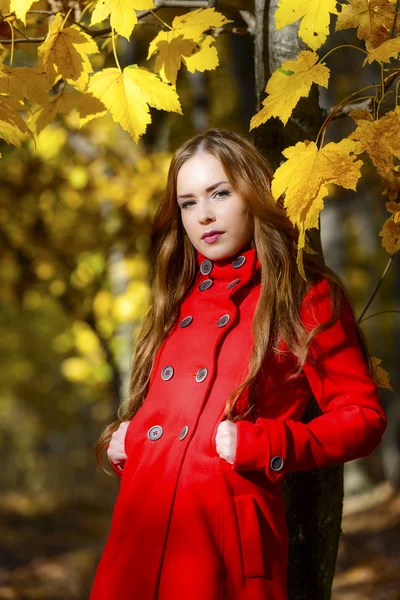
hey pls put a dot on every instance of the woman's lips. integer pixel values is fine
(210, 239)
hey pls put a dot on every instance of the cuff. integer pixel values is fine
(261, 446)
(117, 468)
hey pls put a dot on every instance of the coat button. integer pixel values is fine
(277, 463)
(232, 283)
(201, 374)
(238, 262)
(186, 321)
(183, 432)
(205, 284)
(223, 320)
(155, 432)
(167, 373)
(206, 266)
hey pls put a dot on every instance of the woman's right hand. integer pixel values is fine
(116, 447)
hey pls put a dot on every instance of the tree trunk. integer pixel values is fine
(313, 499)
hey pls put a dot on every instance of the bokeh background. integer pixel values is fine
(75, 216)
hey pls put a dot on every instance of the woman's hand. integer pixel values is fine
(226, 440)
(116, 448)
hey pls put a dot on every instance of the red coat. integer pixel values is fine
(186, 523)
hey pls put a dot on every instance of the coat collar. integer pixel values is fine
(241, 265)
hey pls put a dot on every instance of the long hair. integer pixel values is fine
(174, 269)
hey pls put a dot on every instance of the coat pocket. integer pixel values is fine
(250, 536)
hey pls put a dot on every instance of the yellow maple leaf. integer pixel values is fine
(291, 81)
(188, 43)
(380, 138)
(89, 108)
(128, 94)
(304, 180)
(384, 52)
(122, 14)
(390, 232)
(315, 17)
(20, 7)
(61, 103)
(12, 126)
(65, 53)
(380, 375)
(373, 19)
(4, 6)
(24, 82)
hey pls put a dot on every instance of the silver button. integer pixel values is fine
(206, 266)
(238, 262)
(277, 463)
(183, 432)
(186, 321)
(232, 283)
(155, 432)
(223, 320)
(201, 374)
(205, 284)
(167, 373)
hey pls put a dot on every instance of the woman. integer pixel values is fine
(234, 345)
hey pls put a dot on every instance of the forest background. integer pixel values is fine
(83, 166)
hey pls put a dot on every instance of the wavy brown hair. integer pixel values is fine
(174, 270)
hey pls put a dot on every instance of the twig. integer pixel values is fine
(376, 289)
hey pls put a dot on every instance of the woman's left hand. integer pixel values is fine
(226, 440)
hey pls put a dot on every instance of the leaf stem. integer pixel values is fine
(163, 22)
(342, 46)
(380, 313)
(12, 44)
(114, 50)
(376, 289)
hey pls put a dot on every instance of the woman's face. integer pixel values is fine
(210, 203)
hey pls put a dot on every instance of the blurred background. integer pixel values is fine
(75, 216)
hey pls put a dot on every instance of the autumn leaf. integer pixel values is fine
(122, 14)
(380, 375)
(24, 82)
(128, 94)
(372, 18)
(186, 41)
(315, 17)
(65, 53)
(89, 108)
(20, 7)
(41, 116)
(390, 231)
(291, 81)
(304, 180)
(386, 51)
(381, 140)
(12, 126)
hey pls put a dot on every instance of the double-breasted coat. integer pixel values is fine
(188, 524)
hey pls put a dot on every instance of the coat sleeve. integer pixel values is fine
(117, 468)
(353, 421)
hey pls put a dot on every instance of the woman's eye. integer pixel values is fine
(186, 204)
(224, 192)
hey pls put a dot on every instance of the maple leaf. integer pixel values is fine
(304, 178)
(315, 17)
(21, 7)
(61, 103)
(24, 82)
(373, 19)
(292, 80)
(12, 126)
(122, 14)
(381, 140)
(89, 108)
(380, 375)
(186, 41)
(128, 94)
(390, 231)
(65, 53)
(384, 52)
(4, 6)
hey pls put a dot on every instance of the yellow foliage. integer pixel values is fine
(102, 303)
(24, 82)
(373, 19)
(64, 54)
(49, 143)
(384, 52)
(20, 7)
(380, 375)
(128, 93)
(315, 17)
(304, 178)
(291, 81)
(186, 42)
(390, 231)
(75, 369)
(122, 14)
(12, 126)
(85, 339)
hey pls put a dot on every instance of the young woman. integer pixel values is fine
(232, 348)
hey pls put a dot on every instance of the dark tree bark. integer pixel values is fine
(313, 499)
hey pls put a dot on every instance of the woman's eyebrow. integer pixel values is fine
(209, 189)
